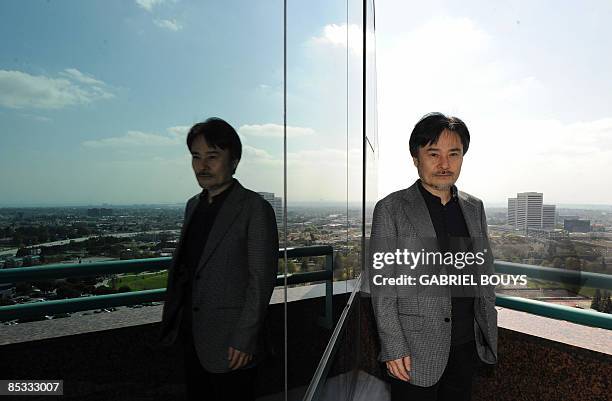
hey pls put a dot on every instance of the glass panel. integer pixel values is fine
(317, 174)
(342, 371)
(96, 99)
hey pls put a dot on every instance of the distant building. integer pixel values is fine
(527, 213)
(529, 210)
(277, 205)
(512, 212)
(548, 217)
(99, 212)
(598, 227)
(577, 225)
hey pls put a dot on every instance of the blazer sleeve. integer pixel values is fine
(173, 283)
(489, 291)
(384, 298)
(262, 253)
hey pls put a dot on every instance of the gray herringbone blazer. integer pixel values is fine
(233, 281)
(417, 325)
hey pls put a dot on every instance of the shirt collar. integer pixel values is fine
(431, 197)
(219, 197)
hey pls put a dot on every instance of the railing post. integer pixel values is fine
(327, 321)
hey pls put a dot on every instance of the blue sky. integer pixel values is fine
(96, 97)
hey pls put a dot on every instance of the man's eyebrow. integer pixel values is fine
(438, 149)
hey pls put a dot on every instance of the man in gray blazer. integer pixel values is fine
(432, 338)
(222, 273)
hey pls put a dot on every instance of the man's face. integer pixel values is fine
(439, 164)
(212, 165)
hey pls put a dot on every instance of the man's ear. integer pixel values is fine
(415, 160)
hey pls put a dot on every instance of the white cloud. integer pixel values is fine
(273, 130)
(176, 136)
(336, 36)
(19, 90)
(253, 153)
(76, 75)
(171, 25)
(148, 4)
(179, 132)
(132, 139)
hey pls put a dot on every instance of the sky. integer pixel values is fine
(530, 79)
(96, 97)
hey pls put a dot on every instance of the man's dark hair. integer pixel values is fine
(217, 133)
(430, 126)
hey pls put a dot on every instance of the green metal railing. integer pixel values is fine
(577, 278)
(58, 271)
(37, 309)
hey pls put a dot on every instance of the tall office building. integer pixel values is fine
(512, 212)
(529, 210)
(277, 205)
(548, 217)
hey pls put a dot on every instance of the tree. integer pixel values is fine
(557, 263)
(22, 288)
(46, 285)
(281, 266)
(339, 273)
(292, 267)
(572, 263)
(102, 290)
(606, 304)
(67, 292)
(596, 302)
(21, 252)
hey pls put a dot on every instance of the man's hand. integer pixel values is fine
(237, 359)
(400, 368)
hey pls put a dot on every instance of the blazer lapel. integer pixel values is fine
(470, 215)
(227, 214)
(472, 221)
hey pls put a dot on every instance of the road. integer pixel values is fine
(13, 251)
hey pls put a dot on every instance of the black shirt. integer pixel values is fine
(196, 236)
(453, 236)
